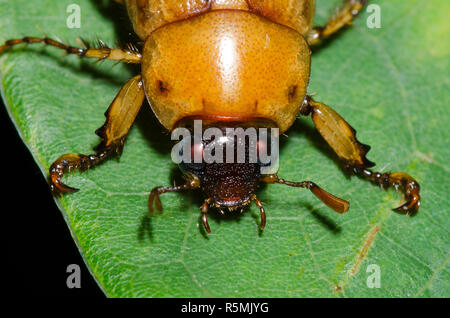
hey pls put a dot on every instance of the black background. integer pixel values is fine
(39, 246)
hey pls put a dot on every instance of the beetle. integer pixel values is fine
(228, 63)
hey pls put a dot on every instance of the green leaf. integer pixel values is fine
(391, 84)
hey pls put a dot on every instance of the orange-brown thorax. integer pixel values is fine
(224, 58)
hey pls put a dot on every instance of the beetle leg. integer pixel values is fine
(129, 55)
(119, 118)
(342, 139)
(344, 16)
(337, 204)
(192, 183)
(261, 211)
(204, 209)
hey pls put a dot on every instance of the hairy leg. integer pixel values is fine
(129, 55)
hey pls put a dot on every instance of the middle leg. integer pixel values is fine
(119, 118)
(342, 139)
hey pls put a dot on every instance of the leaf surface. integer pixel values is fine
(391, 84)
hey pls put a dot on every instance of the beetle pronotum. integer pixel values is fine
(236, 63)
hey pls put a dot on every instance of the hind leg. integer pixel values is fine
(343, 16)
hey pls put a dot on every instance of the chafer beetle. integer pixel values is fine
(229, 63)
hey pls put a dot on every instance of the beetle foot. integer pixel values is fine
(71, 161)
(57, 170)
(397, 180)
(411, 191)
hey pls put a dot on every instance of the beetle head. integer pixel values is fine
(228, 164)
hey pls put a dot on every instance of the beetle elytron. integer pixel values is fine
(228, 63)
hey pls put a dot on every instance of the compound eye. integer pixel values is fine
(190, 150)
(263, 151)
(193, 160)
(268, 158)
(197, 150)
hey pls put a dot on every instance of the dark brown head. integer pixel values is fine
(229, 185)
(228, 163)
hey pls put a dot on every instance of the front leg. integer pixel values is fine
(192, 183)
(342, 138)
(119, 118)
